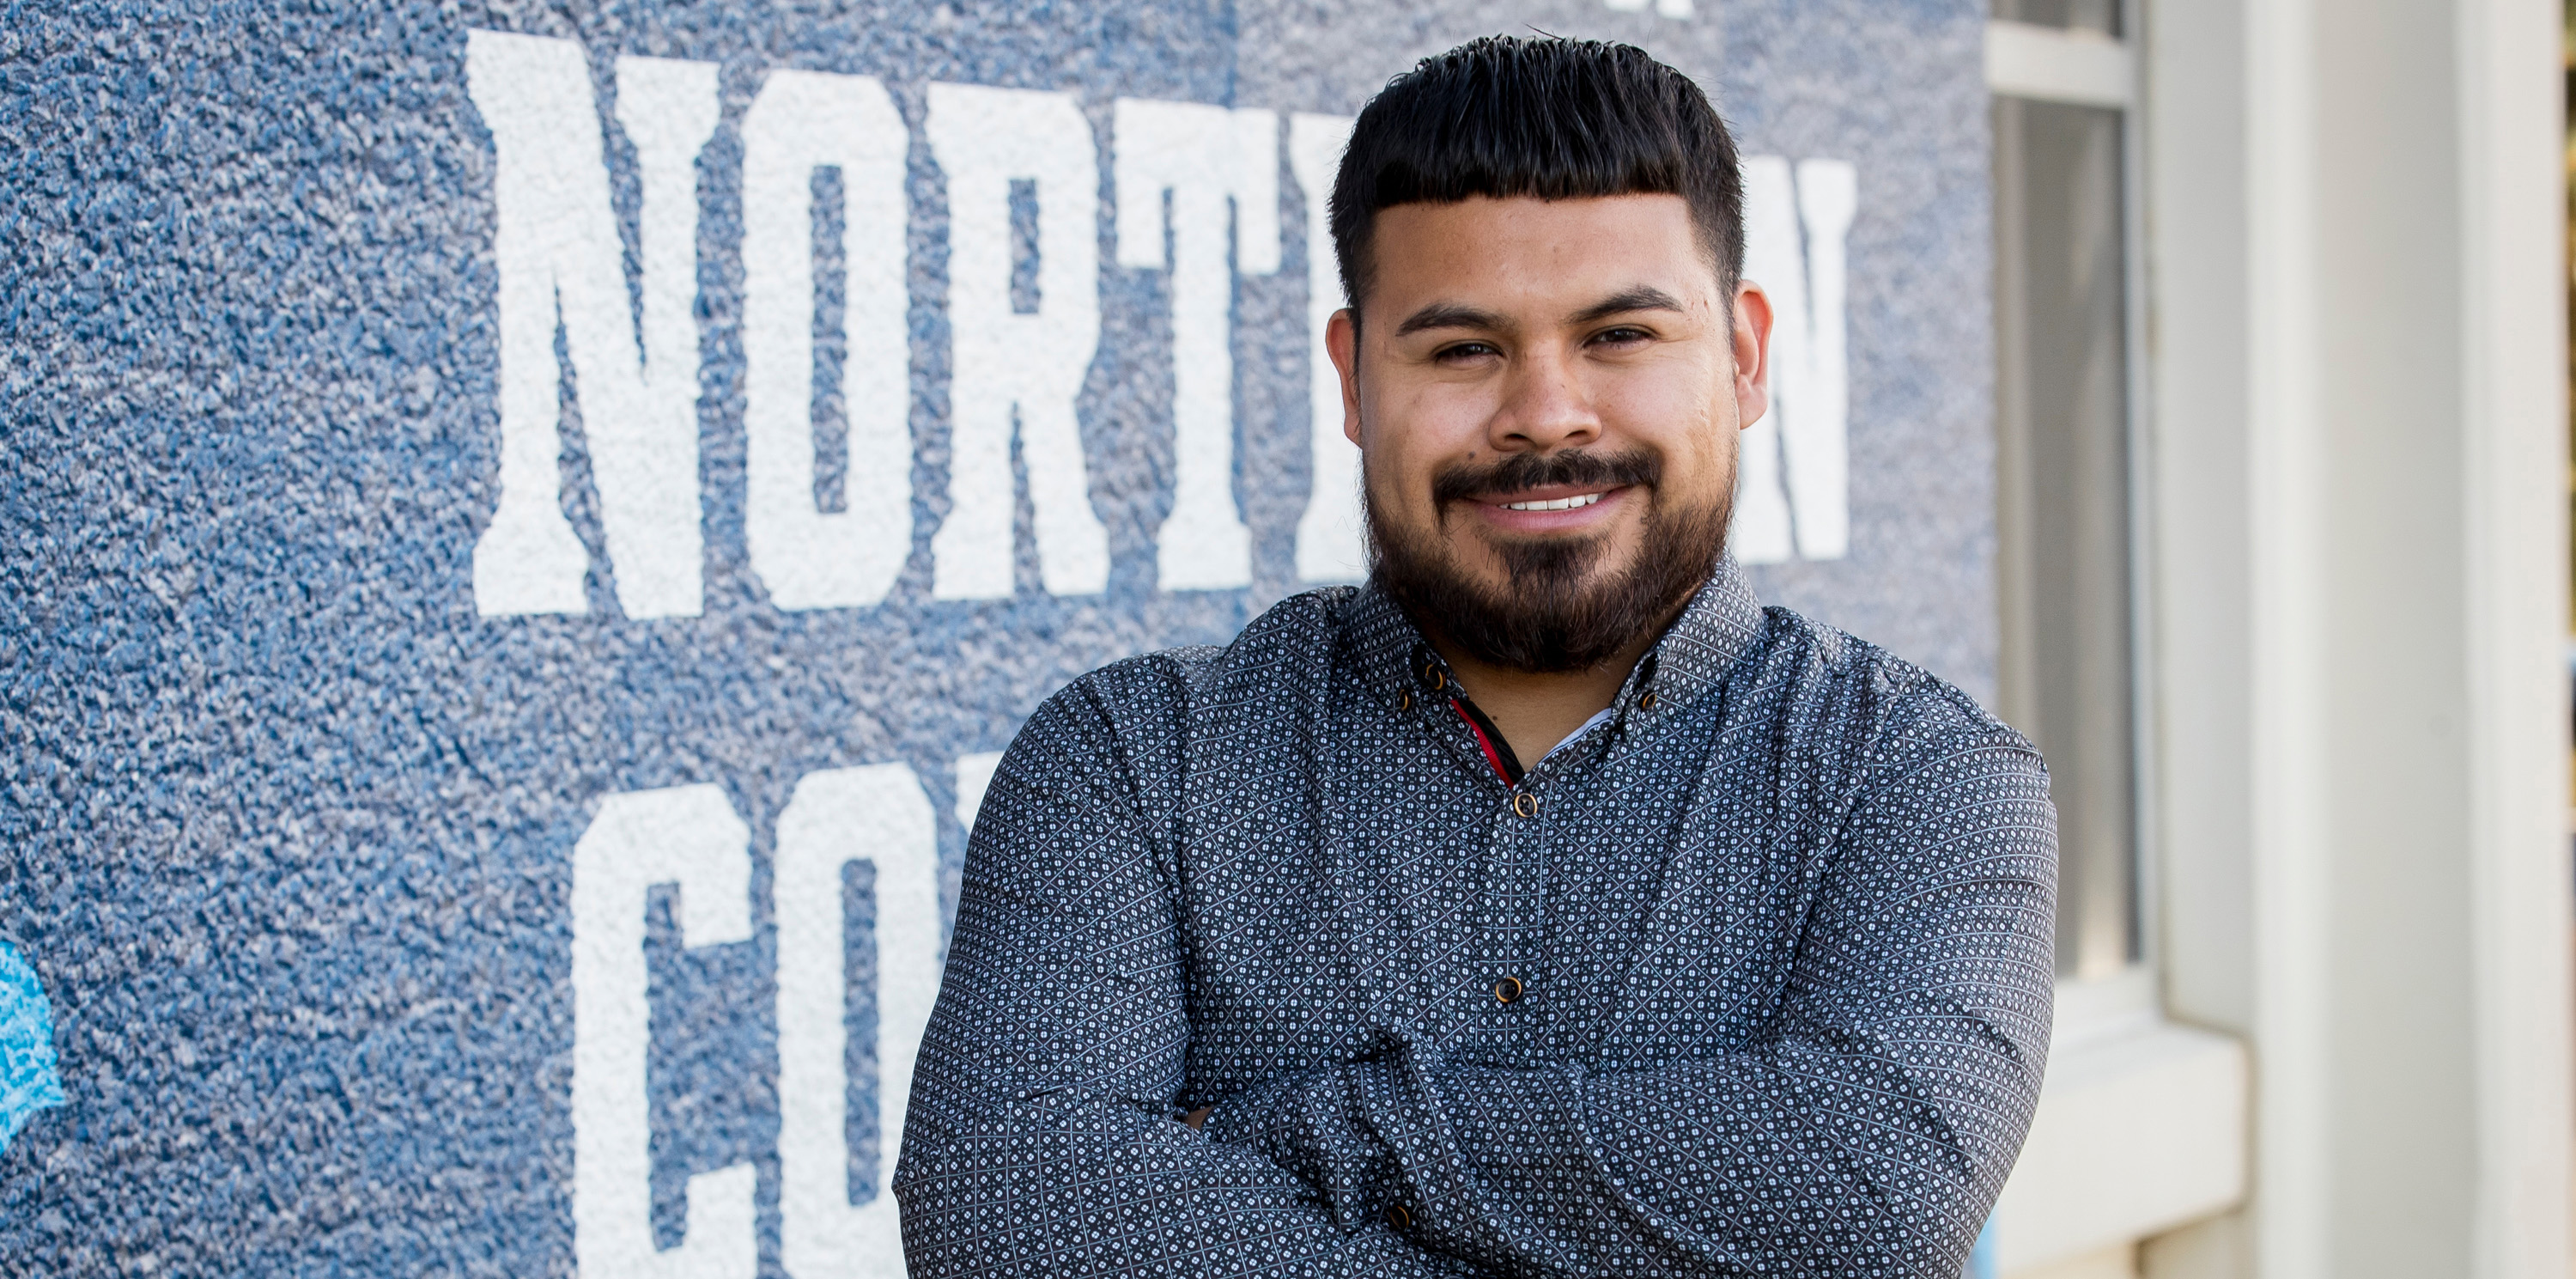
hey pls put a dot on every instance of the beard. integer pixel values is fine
(1560, 607)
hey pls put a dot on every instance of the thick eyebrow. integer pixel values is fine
(1448, 315)
(1456, 315)
(1640, 297)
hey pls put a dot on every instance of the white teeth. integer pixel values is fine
(1558, 504)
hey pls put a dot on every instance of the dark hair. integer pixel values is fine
(1558, 119)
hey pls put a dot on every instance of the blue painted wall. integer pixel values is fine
(286, 824)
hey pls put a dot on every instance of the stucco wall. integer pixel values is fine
(292, 798)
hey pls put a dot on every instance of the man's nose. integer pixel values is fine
(1546, 407)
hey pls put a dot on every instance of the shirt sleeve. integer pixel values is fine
(1868, 1133)
(1041, 1139)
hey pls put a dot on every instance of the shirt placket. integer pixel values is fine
(1494, 994)
(1511, 921)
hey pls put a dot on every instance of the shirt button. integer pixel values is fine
(1508, 990)
(1525, 804)
(1404, 700)
(1646, 703)
(1399, 1216)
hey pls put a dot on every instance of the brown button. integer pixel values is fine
(1404, 700)
(1646, 703)
(1439, 678)
(1508, 990)
(1398, 1216)
(1525, 804)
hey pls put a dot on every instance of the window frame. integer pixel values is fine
(2147, 1117)
(2084, 68)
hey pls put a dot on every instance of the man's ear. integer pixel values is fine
(1341, 341)
(1752, 345)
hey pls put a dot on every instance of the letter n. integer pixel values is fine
(561, 270)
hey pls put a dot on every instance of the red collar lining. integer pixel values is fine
(1493, 756)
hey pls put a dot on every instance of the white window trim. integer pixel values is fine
(2049, 64)
(2144, 1123)
(2142, 1127)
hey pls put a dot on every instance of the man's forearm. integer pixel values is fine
(1713, 1166)
(1040, 1140)
(1087, 1186)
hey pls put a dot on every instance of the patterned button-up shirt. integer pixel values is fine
(1750, 978)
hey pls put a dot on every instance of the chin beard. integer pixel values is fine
(1559, 608)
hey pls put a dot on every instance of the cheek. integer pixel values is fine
(1683, 389)
(1437, 419)
(1396, 478)
(1726, 446)
(1713, 461)
(1408, 433)
(1690, 421)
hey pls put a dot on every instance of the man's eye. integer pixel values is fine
(1622, 336)
(1466, 351)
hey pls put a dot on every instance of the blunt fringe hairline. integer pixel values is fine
(1552, 118)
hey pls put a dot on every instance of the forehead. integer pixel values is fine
(1537, 248)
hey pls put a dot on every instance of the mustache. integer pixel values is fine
(1521, 471)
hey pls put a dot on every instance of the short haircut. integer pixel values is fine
(1557, 119)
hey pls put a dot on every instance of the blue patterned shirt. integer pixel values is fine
(1750, 978)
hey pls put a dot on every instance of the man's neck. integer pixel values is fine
(1535, 711)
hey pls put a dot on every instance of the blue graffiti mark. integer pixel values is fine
(1981, 1259)
(28, 1079)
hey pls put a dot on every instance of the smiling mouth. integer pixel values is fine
(1554, 504)
(1535, 493)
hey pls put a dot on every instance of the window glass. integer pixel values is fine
(2062, 503)
(2080, 15)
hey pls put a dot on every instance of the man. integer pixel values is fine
(1546, 906)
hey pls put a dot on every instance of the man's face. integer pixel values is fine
(1546, 396)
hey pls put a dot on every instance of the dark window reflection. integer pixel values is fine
(2063, 510)
(2081, 15)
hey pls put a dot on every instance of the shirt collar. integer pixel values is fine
(1716, 628)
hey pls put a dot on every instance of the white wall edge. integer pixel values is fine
(2513, 353)
(2287, 498)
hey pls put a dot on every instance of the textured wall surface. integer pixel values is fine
(288, 816)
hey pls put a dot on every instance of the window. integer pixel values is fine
(2064, 414)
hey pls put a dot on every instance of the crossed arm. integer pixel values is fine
(1866, 1136)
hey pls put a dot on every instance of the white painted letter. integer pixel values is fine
(1332, 545)
(1796, 463)
(1014, 367)
(1201, 155)
(556, 247)
(1815, 435)
(875, 814)
(974, 777)
(801, 122)
(1771, 259)
(687, 836)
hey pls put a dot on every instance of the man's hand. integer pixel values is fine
(1197, 1118)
